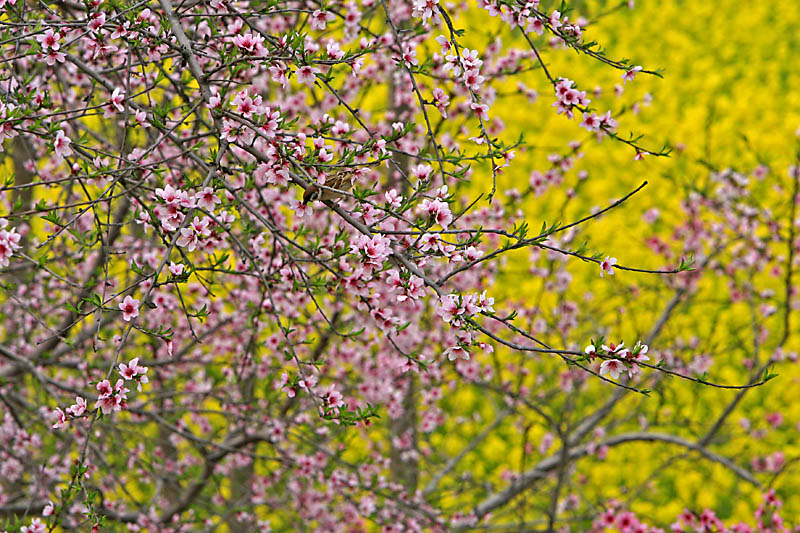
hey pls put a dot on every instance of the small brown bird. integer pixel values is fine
(341, 180)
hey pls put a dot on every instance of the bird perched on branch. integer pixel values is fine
(341, 180)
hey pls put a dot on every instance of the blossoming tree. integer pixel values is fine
(189, 343)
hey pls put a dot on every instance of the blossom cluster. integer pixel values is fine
(9, 242)
(617, 358)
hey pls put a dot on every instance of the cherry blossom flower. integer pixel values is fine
(115, 103)
(134, 371)
(96, 21)
(121, 30)
(426, 9)
(333, 398)
(373, 251)
(409, 56)
(61, 145)
(535, 25)
(36, 526)
(191, 237)
(49, 39)
(130, 308)
(612, 368)
(639, 350)
(278, 73)
(607, 266)
(482, 110)
(456, 352)
(631, 73)
(307, 75)
(207, 199)
(54, 56)
(111, 400)
(485, 303)
(9, 242)
(334, 51)
(438, 211)
(421, 172)
(393, 198)
(128, 371)
(78, 408)
(251, 43)
(555, 20)
(591, 122)
(59, 417)
(613, 348)
(441, 100)
(319, 19)
(175, 270)
(300, 209)
(448, 307)
(445, 43)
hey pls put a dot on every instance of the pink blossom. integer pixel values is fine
(249, 42)
(307, 75)
(175, 270)
(104, 388)
(36, 527)
(393, 198)
(612, 368)
(130, 308)
(53, 56)
(482, 110)
(128, 371)
(193, 235)
(555, 20)
(115, 103)
(97, 20)
(591, 122)
(277, 72)
(121, 30)
(425, 9)
(333, 398)
(441, 100)
(421, 172)
(374, 250)
(630, 74)
(334, 51)
(535, 25)
(207, 199)
(61, 144)
(300, 209)
(49, 39)
(284, 384)
(457, 352)
(409, 56)
(438, 211)
(445, 43)
(9, 242)
(111, 400)
(59, 417)
(78, 408)
(613, 348)
(607, 266)
(134, 371)
(319, 19)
